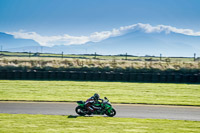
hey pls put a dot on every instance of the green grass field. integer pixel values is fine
(55, 62)
(17, 123)
(117, 92)
(104, 57)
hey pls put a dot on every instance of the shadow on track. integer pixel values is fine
(76, 116)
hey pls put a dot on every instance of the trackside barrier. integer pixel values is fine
(146, 77)
(198, 78)
(163, 78)
(133, 77)
(96, 76)
(82, 76)
(102, 76)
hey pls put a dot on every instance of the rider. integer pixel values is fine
(91, 101)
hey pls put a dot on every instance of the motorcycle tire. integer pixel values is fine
(112, 113)
(79, 111)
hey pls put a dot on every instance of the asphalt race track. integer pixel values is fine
(123, 110)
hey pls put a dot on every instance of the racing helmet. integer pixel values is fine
(96, 96)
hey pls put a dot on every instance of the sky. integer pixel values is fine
(83, 17)
(69, 22)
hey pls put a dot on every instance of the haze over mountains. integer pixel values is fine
(134, 40)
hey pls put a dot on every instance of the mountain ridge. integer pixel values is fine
(136, 42)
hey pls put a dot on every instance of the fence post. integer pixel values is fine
(160, 57)
(1, 50)
(29, 54)
(62, 55)
(95, 55)
(126, 56)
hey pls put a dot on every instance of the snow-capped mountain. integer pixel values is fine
(138, 39)
(9, 43)
(140, 43)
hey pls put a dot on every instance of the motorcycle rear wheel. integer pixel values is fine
(79, 111)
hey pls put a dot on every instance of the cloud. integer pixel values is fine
(99, 36)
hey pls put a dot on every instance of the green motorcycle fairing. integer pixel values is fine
(106, 107)
(81, 103)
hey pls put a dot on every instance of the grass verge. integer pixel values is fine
(117, 92)
(108, 63)
(53, 123)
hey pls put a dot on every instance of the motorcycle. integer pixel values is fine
(105, 108)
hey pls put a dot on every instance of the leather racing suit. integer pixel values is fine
(90, 104)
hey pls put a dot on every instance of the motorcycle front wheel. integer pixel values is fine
(112, 113)
(79, 111)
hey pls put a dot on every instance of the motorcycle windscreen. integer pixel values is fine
(80, 102)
